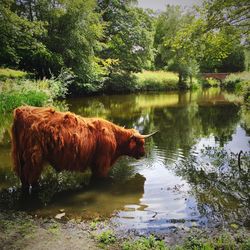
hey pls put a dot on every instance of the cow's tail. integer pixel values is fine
(15, 139)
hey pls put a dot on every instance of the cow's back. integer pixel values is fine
(65, 140)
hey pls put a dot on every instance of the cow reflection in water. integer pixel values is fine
(68, 142)
(97, 200)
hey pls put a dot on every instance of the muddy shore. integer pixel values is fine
(19, 230)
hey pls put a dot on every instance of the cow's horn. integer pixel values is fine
(145, 136)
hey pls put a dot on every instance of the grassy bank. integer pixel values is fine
(6, 73)
(240, 82)
(161, 81)
(156, 80)
(16, 89)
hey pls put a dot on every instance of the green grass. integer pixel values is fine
(11, 100)
(144, 243)
(156, 80)
(14, 93)
(106, 238)
(6, 73)
(16, 90)
(224, 241)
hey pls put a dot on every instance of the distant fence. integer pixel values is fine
(218, 76)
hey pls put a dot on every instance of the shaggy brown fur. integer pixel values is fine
(67, 142)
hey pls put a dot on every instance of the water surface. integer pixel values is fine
(190, 176)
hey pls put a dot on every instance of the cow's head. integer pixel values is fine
(136, 144)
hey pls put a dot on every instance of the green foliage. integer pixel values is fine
(128, 37)
(144, 244)
(13, 99)
(6, 73)
(222, 241)
(105, 42)
(210, 82)
(185, 45)
(120, 82)
(243, 87)
(58, 86)
(232, 81)
(246, 92)
(156, 80)
(228, 12)
(106, 237)
(234, 62)
(17, 92)
(20, 38)
(94, 224)
(175, 43)
(45, 36)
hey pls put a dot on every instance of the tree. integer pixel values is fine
(226, 13)
(128, 39)
(167, 25)
(189, 44)
(234, 62)
(20, 39)
(47, 35)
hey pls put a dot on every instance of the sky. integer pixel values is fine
(160, 4)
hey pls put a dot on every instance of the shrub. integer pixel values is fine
(57, 86)
(210, 82)
(243, 89)
(144, 244)
(106, 237)
(120, 82)
(17, 92)
(13, 99)
(232, 81)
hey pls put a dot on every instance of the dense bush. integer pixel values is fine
(241, 83)
(120, 83)
(13, 99)
(231, 81)
(16, 92)
(243, 89)
(210, 82)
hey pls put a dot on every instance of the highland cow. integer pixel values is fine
(68, 142)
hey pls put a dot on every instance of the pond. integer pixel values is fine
(190, 177)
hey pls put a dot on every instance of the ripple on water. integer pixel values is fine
(165, 202)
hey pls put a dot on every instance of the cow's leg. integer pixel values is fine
(101, 168)
(100, 175)
(32, 168)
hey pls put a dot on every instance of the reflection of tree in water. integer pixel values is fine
(221, 190)
(220, 121)
(245, 118)
(181, 123)
(179, 128)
